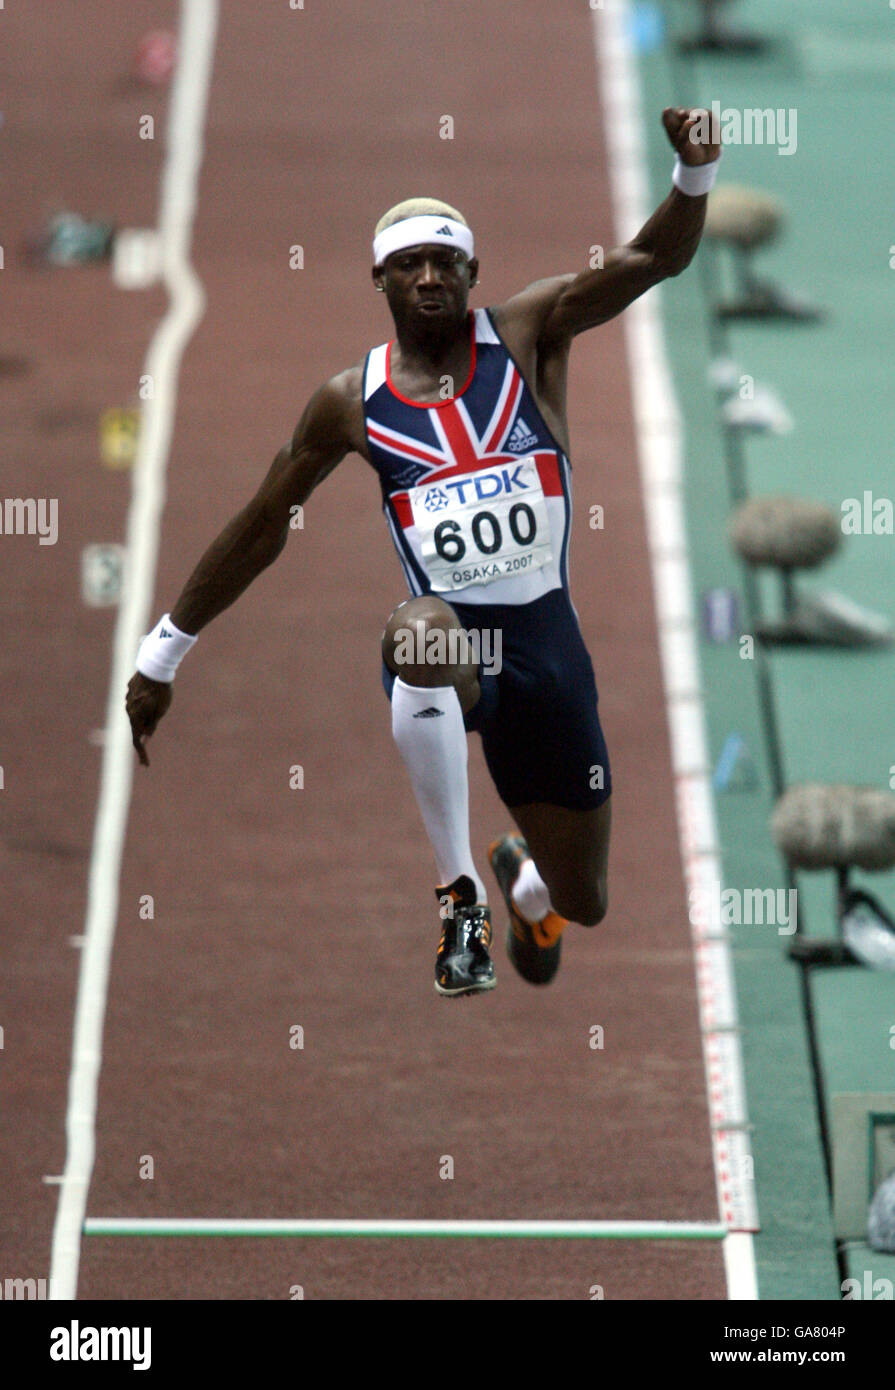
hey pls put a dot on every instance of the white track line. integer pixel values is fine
(376, 1229)
(186, 120)
(660, 449)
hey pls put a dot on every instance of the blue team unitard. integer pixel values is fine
(477, 497)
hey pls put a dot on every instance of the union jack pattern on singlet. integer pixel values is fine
(476, 491)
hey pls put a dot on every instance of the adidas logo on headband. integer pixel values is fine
(417, 231)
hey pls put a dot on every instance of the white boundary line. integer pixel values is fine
(186, 119)
(240, 1226)
(660, 451)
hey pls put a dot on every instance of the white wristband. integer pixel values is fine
(694, 179)
(162, 651)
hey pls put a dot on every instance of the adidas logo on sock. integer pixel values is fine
(163, 632)
(521, 437)
(430, 713)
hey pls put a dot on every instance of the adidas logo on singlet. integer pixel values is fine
(521, 437)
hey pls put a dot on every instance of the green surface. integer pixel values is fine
(857, 1007)
(835, 66)
(868, 1266)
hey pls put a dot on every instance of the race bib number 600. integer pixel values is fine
(482, 526)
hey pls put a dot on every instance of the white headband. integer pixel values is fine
(422, 231)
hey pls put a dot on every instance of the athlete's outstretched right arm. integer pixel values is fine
(251, 541)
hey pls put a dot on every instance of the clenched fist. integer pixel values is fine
(693, 132)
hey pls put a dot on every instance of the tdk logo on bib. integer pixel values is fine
(481, 526)
(435, 499)
(483, 487)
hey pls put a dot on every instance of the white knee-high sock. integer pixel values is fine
(530, 893)
(427, 726)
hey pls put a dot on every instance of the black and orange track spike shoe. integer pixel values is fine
(533, 947)
(463, 964)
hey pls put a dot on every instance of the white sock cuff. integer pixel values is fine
(530, 893)
(420, 697)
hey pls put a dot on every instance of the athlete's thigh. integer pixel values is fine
(571, 850)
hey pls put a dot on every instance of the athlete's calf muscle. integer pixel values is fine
(571, 850)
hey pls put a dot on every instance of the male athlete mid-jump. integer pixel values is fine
(476, 493)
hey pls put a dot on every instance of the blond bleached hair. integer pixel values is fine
(418, 207)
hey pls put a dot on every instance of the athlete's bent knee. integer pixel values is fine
(425, 645)
(586, 906)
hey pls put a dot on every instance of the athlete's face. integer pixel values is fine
(427, 285)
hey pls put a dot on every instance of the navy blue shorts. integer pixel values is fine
(537, 715)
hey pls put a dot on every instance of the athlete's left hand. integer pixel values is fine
(705, 146)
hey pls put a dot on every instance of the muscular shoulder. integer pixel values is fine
(343, 392)
(526, 315)
(336, 409)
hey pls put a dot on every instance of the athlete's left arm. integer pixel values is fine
(664, 246)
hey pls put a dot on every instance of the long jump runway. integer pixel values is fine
(273, 1047)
